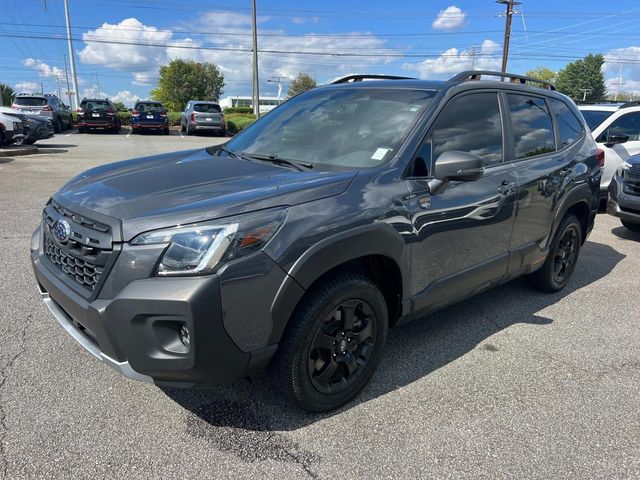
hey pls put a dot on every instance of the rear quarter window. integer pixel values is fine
(569, 126)
(30, 101)
(206, 108)
(532, 126)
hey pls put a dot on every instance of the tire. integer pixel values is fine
(57, 126)
(166, 131)
(318, 344)
(223, 132)
(563, 255)
(634, 227)
(28, 141)
(82, 130)
(182, 129)
(189, 131)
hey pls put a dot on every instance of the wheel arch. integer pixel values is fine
(577, 202)
(376, 250)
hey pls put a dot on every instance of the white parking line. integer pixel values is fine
(181, 135)
(129, 134)
(69, 134)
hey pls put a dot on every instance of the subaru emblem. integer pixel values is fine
(61, 230)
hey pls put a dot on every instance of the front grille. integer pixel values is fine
(84, 272)
(631, 183)
(86, 254)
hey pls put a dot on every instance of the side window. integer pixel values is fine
(532, 126)
(628, 124)
(470, 123)
(568, 125)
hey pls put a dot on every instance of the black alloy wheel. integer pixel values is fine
(342, 346)
(566, 255)
(333, 343)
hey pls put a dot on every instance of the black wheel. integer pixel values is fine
(562, 258)
(82, 130)
(70, 124)
(166, 131)
(333, 344)
(189, 131)
(634, 227)
(57, 126)
(28, 141)
(182, 129)
(223, 132)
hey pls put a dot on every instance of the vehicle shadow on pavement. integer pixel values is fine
(626, 234)
(244, 418)
(48, 146)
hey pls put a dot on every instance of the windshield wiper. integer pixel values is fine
(228, 152)
(280, 160)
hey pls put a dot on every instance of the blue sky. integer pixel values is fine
(428, 39)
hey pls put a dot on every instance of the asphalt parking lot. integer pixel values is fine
(510, 384)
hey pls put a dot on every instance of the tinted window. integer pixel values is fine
(149, 107)
(470, 123)
(95, 105)
(595, 117)
(30, 101)
(341, 127)
(532, 126)
(206, 108)
(568, 125)
(628, 124)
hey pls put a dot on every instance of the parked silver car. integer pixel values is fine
(201, 116)
(47, 105)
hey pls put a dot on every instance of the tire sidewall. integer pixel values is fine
(570, 222)
(303, 388)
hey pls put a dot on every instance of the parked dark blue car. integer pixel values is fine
(149, 116)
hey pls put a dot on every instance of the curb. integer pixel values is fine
(18, 150)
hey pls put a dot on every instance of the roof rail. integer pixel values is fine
(633, 103)
(361, 77)
(512, 77)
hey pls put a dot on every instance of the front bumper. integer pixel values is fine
(133, 322)
(621, 205)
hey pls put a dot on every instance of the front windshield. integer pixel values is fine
(341, 127)
(595, 117)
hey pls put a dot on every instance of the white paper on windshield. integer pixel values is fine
(379, 153)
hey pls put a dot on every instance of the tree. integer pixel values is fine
(301, 83)
(583, 76)
(184, 80)
(120, 107)
(542, 73)
(8, 94)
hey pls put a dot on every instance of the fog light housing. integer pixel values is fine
(185, 336)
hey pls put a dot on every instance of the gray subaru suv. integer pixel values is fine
(294, 247)
(47, 105)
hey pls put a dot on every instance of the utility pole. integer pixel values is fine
(98, 85)
(72, 58)
(507, 31)
(42, 88)
(618, 83)
(58, 86)
(474, 52)
(256, 89)
(66, 74)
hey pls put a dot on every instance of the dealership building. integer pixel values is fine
(266, 103)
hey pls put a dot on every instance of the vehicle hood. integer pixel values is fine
(191, 186)
(634, 160)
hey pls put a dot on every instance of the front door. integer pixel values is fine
(627, 124)
(461, 235)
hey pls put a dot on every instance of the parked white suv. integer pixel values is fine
(616, 129)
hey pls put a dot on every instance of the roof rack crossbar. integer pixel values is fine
(512, 77)
(361, 77)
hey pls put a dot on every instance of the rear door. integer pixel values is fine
(543, 137)
(463, 233)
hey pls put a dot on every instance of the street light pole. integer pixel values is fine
(256, 89)
(72, 58)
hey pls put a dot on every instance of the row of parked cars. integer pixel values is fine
(37, 117)
(147, 115)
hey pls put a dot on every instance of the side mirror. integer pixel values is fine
(458, 166)
(616, 138)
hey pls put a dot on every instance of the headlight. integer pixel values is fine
(198, 249)
(624, 166)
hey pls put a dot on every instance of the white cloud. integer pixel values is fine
(449, 19)
(453, 61)
(27, 87)
(126, 97)
(230, 52)
(303, 20)
(43, 69)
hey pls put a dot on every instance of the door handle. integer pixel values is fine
(507, 188)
